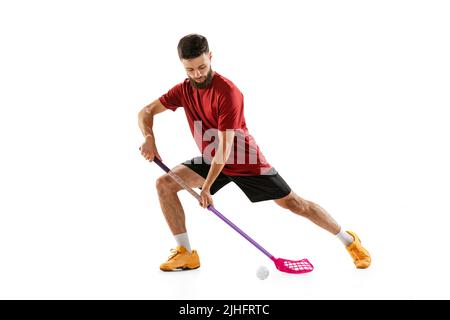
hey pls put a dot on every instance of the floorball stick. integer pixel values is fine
(284, 265)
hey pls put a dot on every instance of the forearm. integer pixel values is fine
(214, 171)
(145, 121)
(217, 164)
(145, 117)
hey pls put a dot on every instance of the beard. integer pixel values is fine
(205, 83)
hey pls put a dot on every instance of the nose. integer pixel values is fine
(197, 74)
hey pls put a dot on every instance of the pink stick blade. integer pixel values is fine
(291, 266)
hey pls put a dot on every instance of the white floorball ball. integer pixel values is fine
(262, 273)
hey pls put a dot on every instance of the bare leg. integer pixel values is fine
(168, 198)
(309, 210)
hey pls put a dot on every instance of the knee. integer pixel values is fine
(165, 184)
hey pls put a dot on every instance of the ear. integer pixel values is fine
(210, 55)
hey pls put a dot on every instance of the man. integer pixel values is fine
(214, 108)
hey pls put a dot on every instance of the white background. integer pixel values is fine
(347, 99)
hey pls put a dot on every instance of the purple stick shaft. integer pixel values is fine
(238, 230)
(161, 165)
(214, 210)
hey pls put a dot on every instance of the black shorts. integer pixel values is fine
(257, 188)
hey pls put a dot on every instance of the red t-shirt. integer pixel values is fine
(220, 106)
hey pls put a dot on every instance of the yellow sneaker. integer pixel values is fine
(361, 257)
(182, 259)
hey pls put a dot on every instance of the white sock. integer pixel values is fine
(182, 240)
(345, 237)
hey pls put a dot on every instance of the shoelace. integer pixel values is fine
(173, 253)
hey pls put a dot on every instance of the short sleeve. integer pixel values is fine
(173, 98)
(231, 110)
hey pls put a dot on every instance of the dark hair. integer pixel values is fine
(192, 46)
